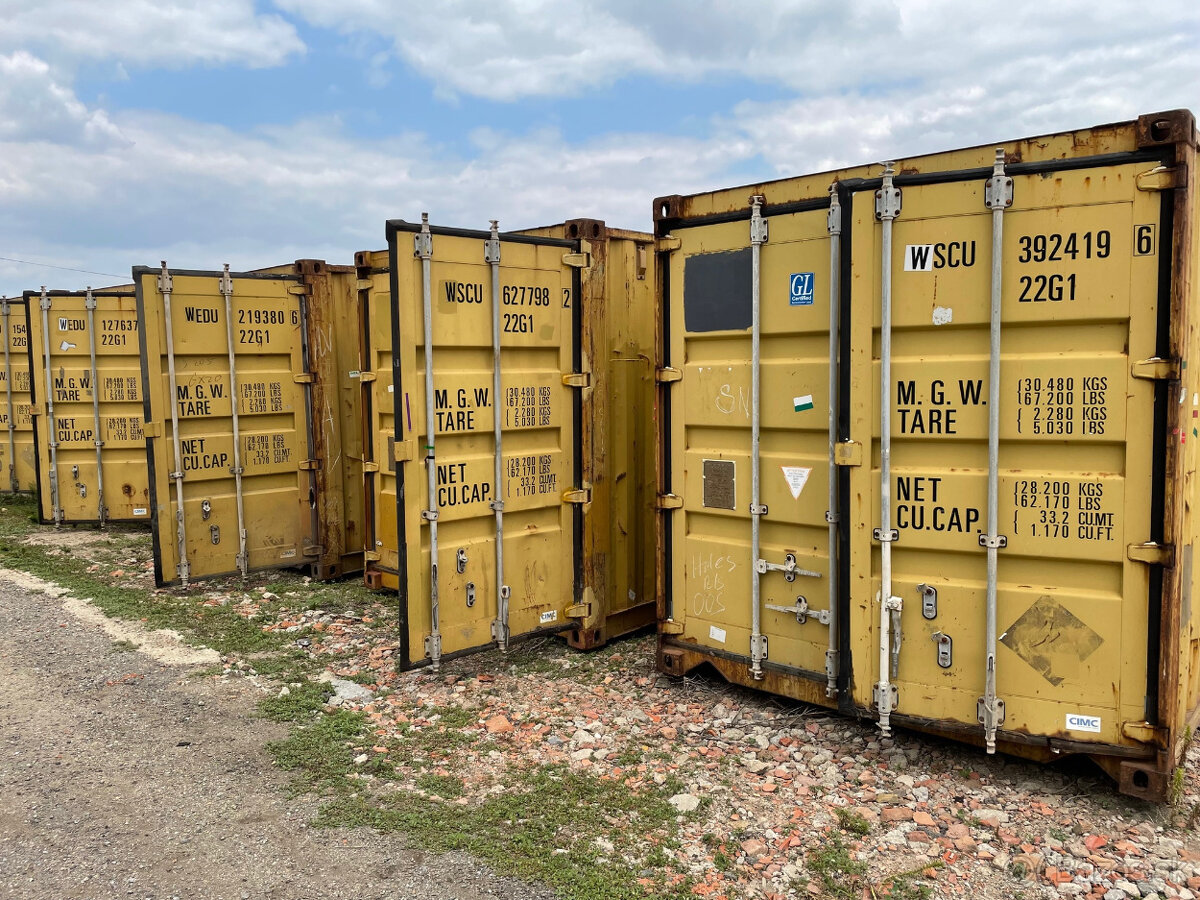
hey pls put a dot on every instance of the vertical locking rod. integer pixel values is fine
(491, 255)
(89, 304)
(758, 237)
(423, 248)
(832, 515)
(9, 387)
(887, 207)
(51, 425)
(227, 292)
(999, 196)
(164, 287)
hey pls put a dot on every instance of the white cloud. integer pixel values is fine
(509, 49)
(34, 106)
(145, 33)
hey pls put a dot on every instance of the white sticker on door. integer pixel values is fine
(918, 258)
(1080, 722)
(717, 634)
(797, 477)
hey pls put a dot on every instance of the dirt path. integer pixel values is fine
(123, 776)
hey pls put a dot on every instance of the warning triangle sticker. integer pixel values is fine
(797, 477)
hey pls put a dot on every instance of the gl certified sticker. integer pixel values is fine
(800, 289)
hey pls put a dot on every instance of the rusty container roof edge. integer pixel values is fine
(793, 193)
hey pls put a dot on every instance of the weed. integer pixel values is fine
(852, 821)
(123, 646)
(839, 873)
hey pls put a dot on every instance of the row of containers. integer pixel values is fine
(916, 442)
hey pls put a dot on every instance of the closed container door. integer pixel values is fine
(18, 462)
(273, 503)
(1076, 461)
(89, 405)
(539, 424)
(712, 563)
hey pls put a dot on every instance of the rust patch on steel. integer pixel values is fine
(1052, 639)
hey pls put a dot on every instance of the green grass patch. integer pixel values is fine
(321, 755)
(300, 704)
(448, 787)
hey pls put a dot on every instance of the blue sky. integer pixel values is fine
(212, 131)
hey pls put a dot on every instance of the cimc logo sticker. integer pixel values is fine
(800, 289)
(1076, 722)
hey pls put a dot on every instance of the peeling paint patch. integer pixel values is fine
(1052, 639)
(942, 315)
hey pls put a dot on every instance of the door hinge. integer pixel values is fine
(152, 429)
(402, 451)
(304, 378)
(580, 495)
(1152, 553)
(667, 244)
(1155, 369)
(309, 465)
(1145, 733)
(370, 467)
(366, 377)
(670, 627)
(668, 375)
(669, 501)
(1162, 178)
(579, 611)
(577, 260)
(363, 284)
(848, 453)
(370, 556)
(297, 289)
(577, 379)
(313, 550)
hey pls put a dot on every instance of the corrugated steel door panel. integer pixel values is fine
(1076, 459)
(619, 320)
(712, 563)
(278, 492)
(90, 445)
(18, 461)
(333, 336)
(540, 424)
(379, 446)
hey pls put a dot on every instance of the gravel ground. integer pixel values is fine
(123, 776)
(120, 767)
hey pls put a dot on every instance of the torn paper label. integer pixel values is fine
(717, 634)
(797, 477)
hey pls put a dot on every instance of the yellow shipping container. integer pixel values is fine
(555, 326)
(258, 482)
(87, 406)
(928, 440)
(18, 461)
